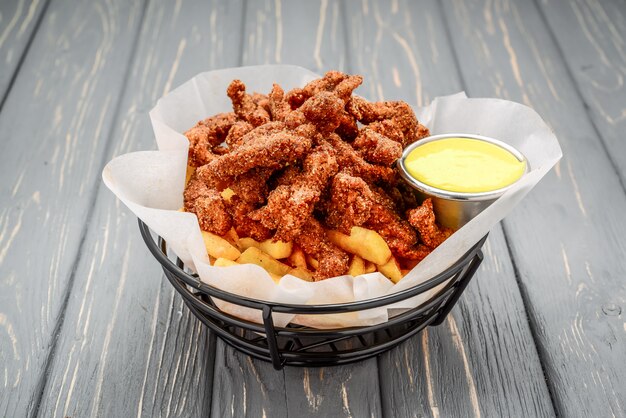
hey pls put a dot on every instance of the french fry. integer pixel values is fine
(224, 262)
(217, 246)
(297, 258)
(302, 273)
(369, 267)
(404, 272)
(254, 255)
(247, 242)
(362, 242)
(357, 266)
(232, 237)
(391, 270)
(311, 262)
(189, 173)
(278, 249)
(227, 193)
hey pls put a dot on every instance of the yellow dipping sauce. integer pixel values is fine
(464, 165)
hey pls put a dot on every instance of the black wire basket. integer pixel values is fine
(297, 345)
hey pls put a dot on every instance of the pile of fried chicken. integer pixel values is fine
(311, 159)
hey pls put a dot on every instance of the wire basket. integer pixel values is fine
(297, 345)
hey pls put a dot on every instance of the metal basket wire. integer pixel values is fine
(297, 345)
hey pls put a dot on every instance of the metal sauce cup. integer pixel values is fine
(455, 209)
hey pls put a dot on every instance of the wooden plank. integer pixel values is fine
(567, 238)
(591, 36)
(54, 128)
(277, 33)
(128, 345)
(481, 361)
(18, 20)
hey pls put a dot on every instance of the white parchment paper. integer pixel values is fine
(151, 184)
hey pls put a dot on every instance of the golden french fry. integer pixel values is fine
(391, 270)
(357, 266)
(217, 246)
(224, 262)
(227, 193)
(247, 242)
(297, 258)
(302, 273)
(311, 262)
(278, 249)
(254, 255)
(190, 171)
(232, 237)
(404, 272)
(362, 242)
(369, 267)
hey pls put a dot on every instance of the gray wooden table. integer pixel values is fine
(88, 324)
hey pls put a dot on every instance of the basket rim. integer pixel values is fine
(278, 307)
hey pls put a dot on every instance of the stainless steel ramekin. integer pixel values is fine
(455, 209)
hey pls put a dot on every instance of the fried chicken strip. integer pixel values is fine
(271, 150)
(289, 206)
(350, 203)
(207, 134)
(244, 105)
(422, 218)
(376, 148)
(350, 160)
(398, 112)
(332, 260)
(208, 205)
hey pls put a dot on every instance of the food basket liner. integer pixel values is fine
(151, 185)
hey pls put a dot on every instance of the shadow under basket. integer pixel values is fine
(297, 345)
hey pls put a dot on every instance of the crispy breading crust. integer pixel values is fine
(298, 163)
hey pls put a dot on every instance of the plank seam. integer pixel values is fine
(348, 69)
(541, 354)
(346, 35)
(523, 295)
(579, 93)
(242, 25)
(43, 378)
(22, 58)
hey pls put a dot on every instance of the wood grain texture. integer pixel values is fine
(54, 128)
(481, 361)
(567, 237)
(276, 32)
(300, 32)
(18, 20)
(591, 36)
(129, 346)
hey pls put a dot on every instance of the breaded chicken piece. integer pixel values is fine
(313, 241)
(237, 132)
(207, 134)
(422, 218)
(252, 186)
(243, 224)
(398, 112)
(349, 204)
(244, 106)
(208, 205)
(376, 148)
(329, 82)
(291, 204)
(351, 161)
(272, 150)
